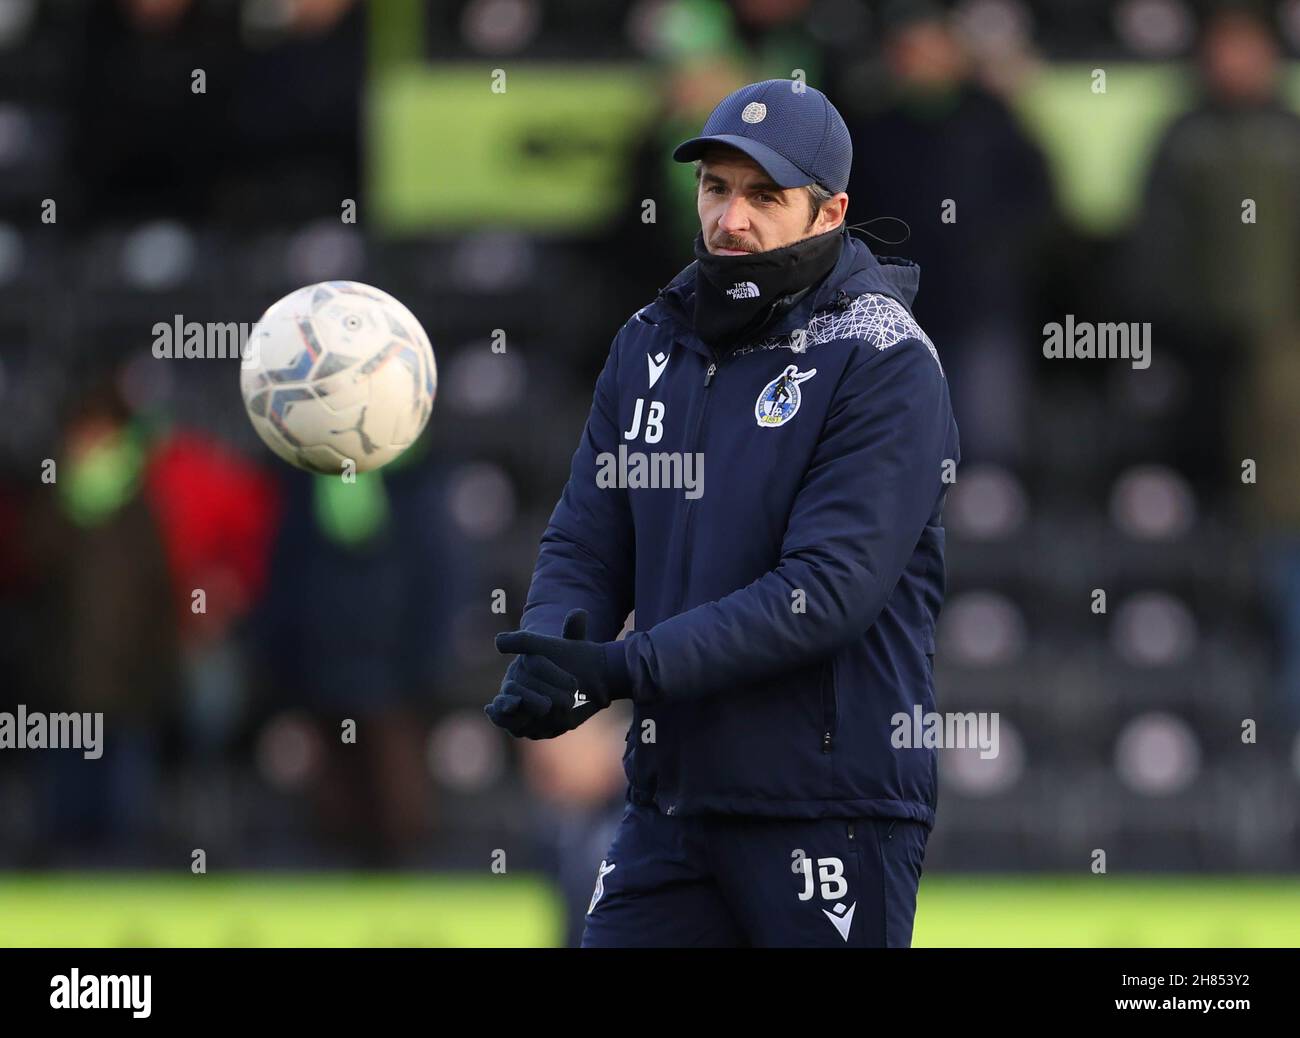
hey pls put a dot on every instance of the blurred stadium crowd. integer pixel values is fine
(1120, 729)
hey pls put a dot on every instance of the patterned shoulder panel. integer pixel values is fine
(879, 319)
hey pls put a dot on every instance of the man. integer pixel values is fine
(783, 617)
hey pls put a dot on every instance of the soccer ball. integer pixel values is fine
(338, 372)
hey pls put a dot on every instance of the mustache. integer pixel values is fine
(730, 243)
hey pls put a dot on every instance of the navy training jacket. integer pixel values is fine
(785, 608)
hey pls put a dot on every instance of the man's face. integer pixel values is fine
(1240, 59)
(741, 210)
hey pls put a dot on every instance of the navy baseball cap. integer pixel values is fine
(789, 128)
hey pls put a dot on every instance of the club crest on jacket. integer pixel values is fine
(780, 398)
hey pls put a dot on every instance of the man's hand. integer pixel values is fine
(554, 684)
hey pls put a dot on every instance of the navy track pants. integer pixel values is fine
(728, 881)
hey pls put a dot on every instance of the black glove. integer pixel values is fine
(555, 684)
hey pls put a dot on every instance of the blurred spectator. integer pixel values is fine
(108, 631)
(1216, 257)
(366, 578)
(937, 139)
(1220, 282)
(217, 514)
(776, 34)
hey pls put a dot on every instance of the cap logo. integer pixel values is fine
(755, 112)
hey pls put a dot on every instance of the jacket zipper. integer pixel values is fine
(831, 717)
(839, 302)
(690, 509)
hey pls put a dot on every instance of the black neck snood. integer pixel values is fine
(736, 296)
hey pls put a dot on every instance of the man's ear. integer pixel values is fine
(830, 216)
(839, 205)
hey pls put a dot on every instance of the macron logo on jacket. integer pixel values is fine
(657, 363)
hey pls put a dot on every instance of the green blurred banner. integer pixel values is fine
(549, 153)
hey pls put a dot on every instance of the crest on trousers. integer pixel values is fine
(780, 399)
